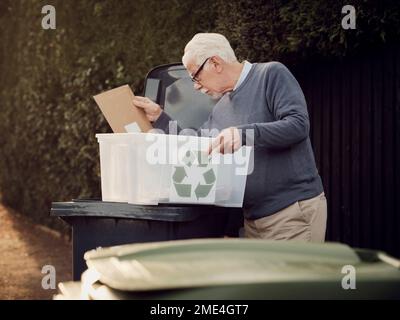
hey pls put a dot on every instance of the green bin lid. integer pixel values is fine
(216, 262)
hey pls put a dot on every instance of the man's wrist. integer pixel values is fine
(162, 122)
(246, 134)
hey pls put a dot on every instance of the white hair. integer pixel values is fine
(205, 45)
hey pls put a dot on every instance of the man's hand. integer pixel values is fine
(151, 109)
(228, 141)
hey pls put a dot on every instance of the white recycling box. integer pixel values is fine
(151, 168)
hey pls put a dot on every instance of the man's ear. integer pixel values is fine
(218, 63)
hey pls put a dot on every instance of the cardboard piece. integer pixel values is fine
(119, 111)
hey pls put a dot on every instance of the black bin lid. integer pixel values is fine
(171, 86)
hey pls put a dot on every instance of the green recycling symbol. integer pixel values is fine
(203, 188)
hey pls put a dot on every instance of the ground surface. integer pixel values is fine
(24, 249)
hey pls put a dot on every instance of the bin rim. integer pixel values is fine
(161, 212)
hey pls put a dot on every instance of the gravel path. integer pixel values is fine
(24, 249)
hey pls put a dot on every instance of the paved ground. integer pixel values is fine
(24, 249)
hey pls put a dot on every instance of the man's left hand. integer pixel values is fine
(228, 141)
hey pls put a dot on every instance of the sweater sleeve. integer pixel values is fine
(162, 122)
(286, 102)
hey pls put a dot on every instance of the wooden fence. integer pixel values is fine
(354, 107)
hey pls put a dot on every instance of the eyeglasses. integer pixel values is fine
(194, 76)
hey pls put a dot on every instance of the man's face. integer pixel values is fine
(208, 79)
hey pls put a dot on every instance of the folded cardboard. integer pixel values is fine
(119, 111)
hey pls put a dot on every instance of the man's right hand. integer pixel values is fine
(151, 109)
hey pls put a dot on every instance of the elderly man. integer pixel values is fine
(284, 198)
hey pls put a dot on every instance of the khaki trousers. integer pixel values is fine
(304, 221)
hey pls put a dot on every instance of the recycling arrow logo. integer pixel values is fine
(204, 177)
